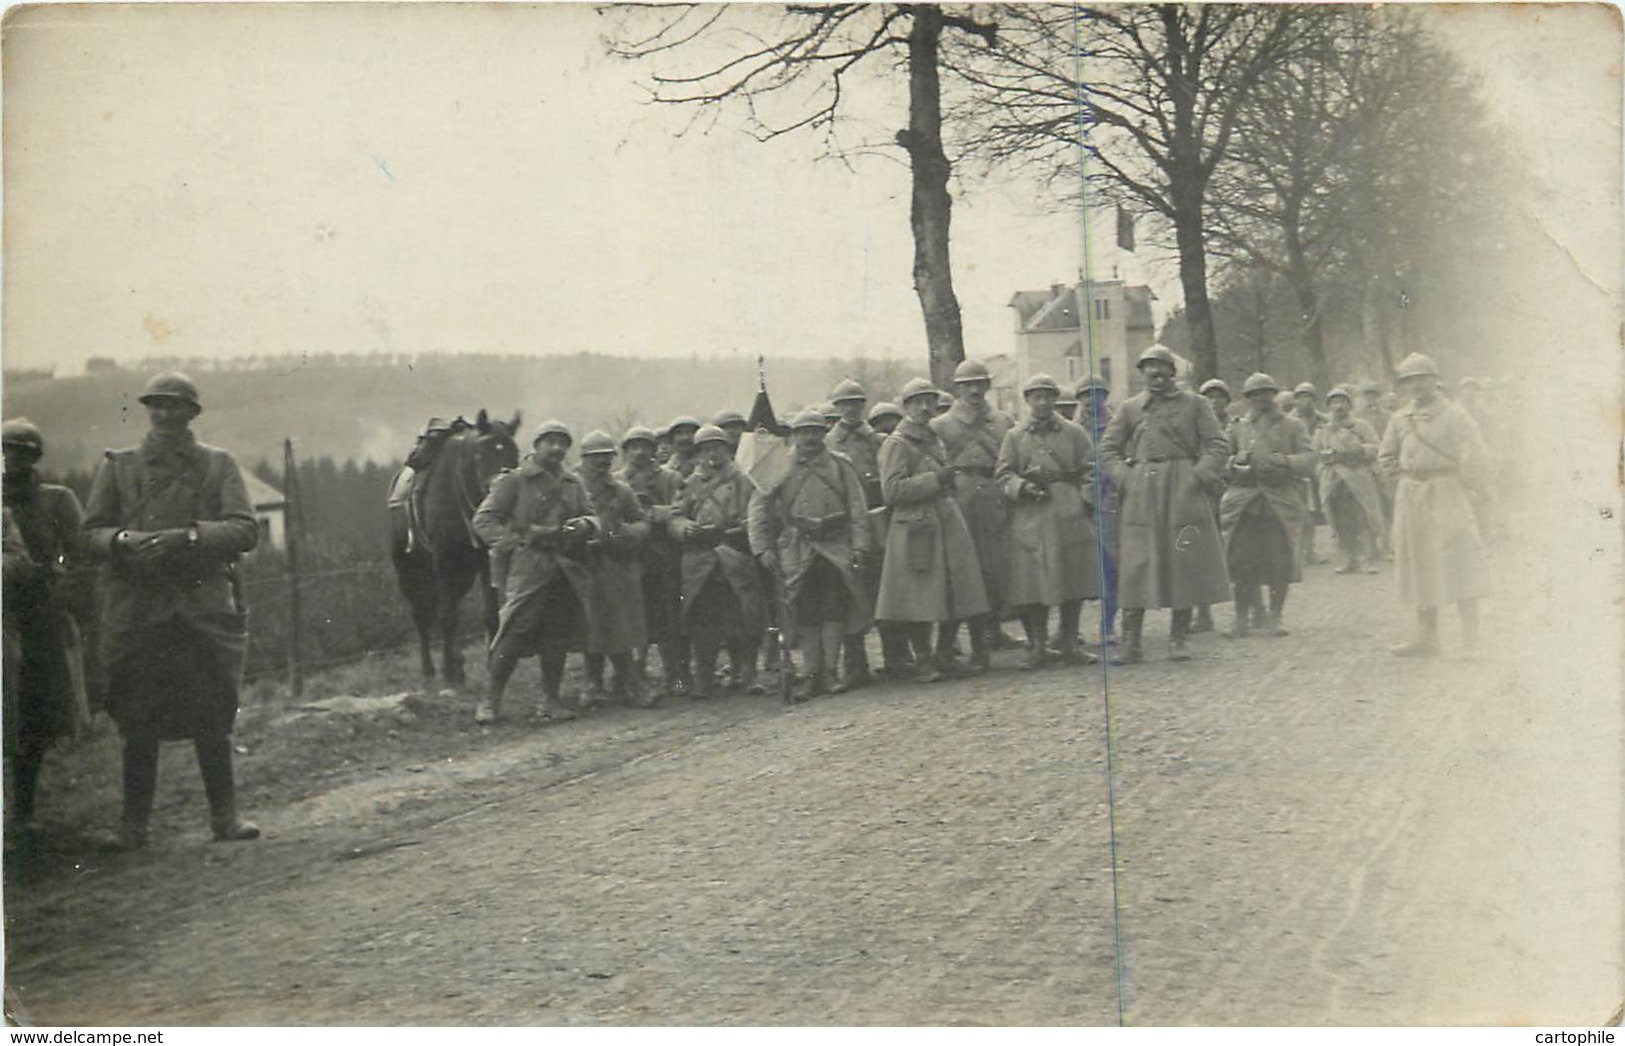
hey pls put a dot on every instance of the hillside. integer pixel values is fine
(368, 409)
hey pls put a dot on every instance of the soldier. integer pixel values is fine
(1046, 469)
(40, 705)
(973, 431)
(945, 403)
(1305, 407)
(169, 518)
(884, 418)
(1097, 413)
(929, 574)
(1437, 453)
(733, 425)
(851, 436)
(1370, 408)
(1347, 451)
(1262, 512)
(1218, 394)
(543, 507)
(1067, 405)
(722, 592)
(663, 446)
(681, 431)
(405, 494)
(656, 489)
(811, 531)
(1165, 451)
(615, 626)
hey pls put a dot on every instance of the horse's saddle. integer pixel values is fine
(406, 510)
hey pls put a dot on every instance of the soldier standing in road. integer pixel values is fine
(615, 625)
(680, 431)
(1374, 412)
(929, 573)
(722, 590)
(851, 436)
(169, 518)
(1046, 469)
(40, 705)
(1262, 512)
(1067, 405)
(1347, 452)
(973, 431)
(733, 425)
(812, 532)
(541, 509)
(1097, 414)
(1305, 407)
(1165, 451)
(1437, 453)
(1218, 394)
(656, 489)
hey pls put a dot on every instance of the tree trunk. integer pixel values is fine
(931, 208)
(1314, 336)
(1193, 279)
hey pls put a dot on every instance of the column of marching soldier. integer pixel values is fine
(914, 519)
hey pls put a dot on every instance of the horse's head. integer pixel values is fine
(494, 447)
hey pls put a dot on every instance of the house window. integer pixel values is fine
(1074, 368)
(1103, 309)
(1106, 371)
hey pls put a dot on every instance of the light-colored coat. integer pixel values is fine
(615, 622)
(1436, 452)
(1355, 443)
(861, 445)
(930, 572)
(1053, 557)
(973, 439)
(518, 500)
(719, 500)
(1164, 453)
(1283, 493)
(780, 521)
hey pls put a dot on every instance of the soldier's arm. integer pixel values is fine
(1300, 455)
(236, 530)
(1084, 446)
(1007, 470)
(1215, 449)
(1114, 445)
(897, 486)
(857, 508)
(759, 523)
(1369, 441)
(1388, 449)
(634, 520)
(104, 515)
(491, 519)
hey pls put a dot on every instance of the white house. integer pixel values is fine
(1055, 336)
(270, 510)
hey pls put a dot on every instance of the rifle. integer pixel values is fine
(778, 620)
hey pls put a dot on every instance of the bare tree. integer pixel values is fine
(789, 69)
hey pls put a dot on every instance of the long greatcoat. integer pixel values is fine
(163, 485)
(1436, 452)
(1283, 493)
(930, 571)
(1163, 453)
(519, 499)
(972, 438)
(718, 502)
(657, 488)
(1355, 445)
(1053, 557)
(861, 445)
(48, 518)
(615, 562)
(785, 520)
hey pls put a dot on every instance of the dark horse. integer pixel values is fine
(437, 555)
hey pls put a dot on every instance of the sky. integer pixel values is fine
(270, 179)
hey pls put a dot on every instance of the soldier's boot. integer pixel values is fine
(856, 651)
(679, 677)
(629, 681)
(140, 780)
(1129, 650)
(1204, 619)
(1277, 604)
(947, 652)
(1035, 621)
(981, 632)
(1242, 628)
(220, 786)
(705, 671)
(812, 661)
(895, 661)
(834, 641)
(593, 693)
(500, 669)
(1468, 608)
(1426, 643)
(927, 666)
(1069, 649)
(1179, 628)
(551, 707)
(1350, 563)
(671, 673)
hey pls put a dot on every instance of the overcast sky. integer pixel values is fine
(207, 180)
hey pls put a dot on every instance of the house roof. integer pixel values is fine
(261, 494)
(1056, 309)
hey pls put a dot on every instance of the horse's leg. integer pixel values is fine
(415, 573)
(455, 582)
(488, 599)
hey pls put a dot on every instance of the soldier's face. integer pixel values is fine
(920, 408)
(1263, 400)
(1304, 402)
(597, 464)
(19, 458)
(1041, 402)
(682, 439)
(973, 392)
(639, 453)
(550, 449)
(714, 454)
(808, 441)
(1159, 376)
(851, 411)
(1221, 402)
(1373, 400)
(884, 424)
(1420, 389)
(733, 430)
(1341, 408)
(169, 413)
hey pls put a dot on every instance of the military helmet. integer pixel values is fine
(1340, 390)
(884, 409)
(638, 432)
(1041, 381)
(944, 400)
(710, 434)
(682, 421)
(811, 418)
(1093, 384)
(1306, 388)
(1158, 352)
(1258, 381)
(552, 427)
(1213, 384)
(1415, 366)
(828, 411)
(20, 432)
(174, 385)
(1370, 386)
(1066, 399)
(597, 442)
(726, 417)
(971, 370)
(918, 387)
(848, 390)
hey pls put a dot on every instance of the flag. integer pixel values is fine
(764, 457)
(1125, 229)
(761, 415)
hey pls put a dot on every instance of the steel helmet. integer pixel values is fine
(1066, 399)
(811, 418)
(1041, 381)
(1370, 386)
(1213, 384)
(1158, 352)
(710, 434)
(726, 417)
(918, 387)
(1306, 388)
(597, 442)
(682, 421)
(1094, 384)
(552, 427)
(20, 432)
(971, 370)
(1415, 366)
(174, 385)
(848, 390)
(1259, 381)
(828, 411)
(638, 432)
(886, 408)
(1340, 390)
(944, 400)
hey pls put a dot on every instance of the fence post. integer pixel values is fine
(292, 513)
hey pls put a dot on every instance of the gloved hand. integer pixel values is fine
(945, 476)
(769, 561)
(1031, 491)
(544, 538)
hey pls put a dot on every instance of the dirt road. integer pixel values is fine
(1309, 831)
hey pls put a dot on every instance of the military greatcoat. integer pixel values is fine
(615, 561)
(816, 511)
(972, 438)
(1351, 470)
(656, 488)
(533, 496)
(1270, 483)
(710, 521)
(1053, 558)
(930, 571)
(1436, 452)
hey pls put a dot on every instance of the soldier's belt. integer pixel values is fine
(1163, 459)
(979, 471)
